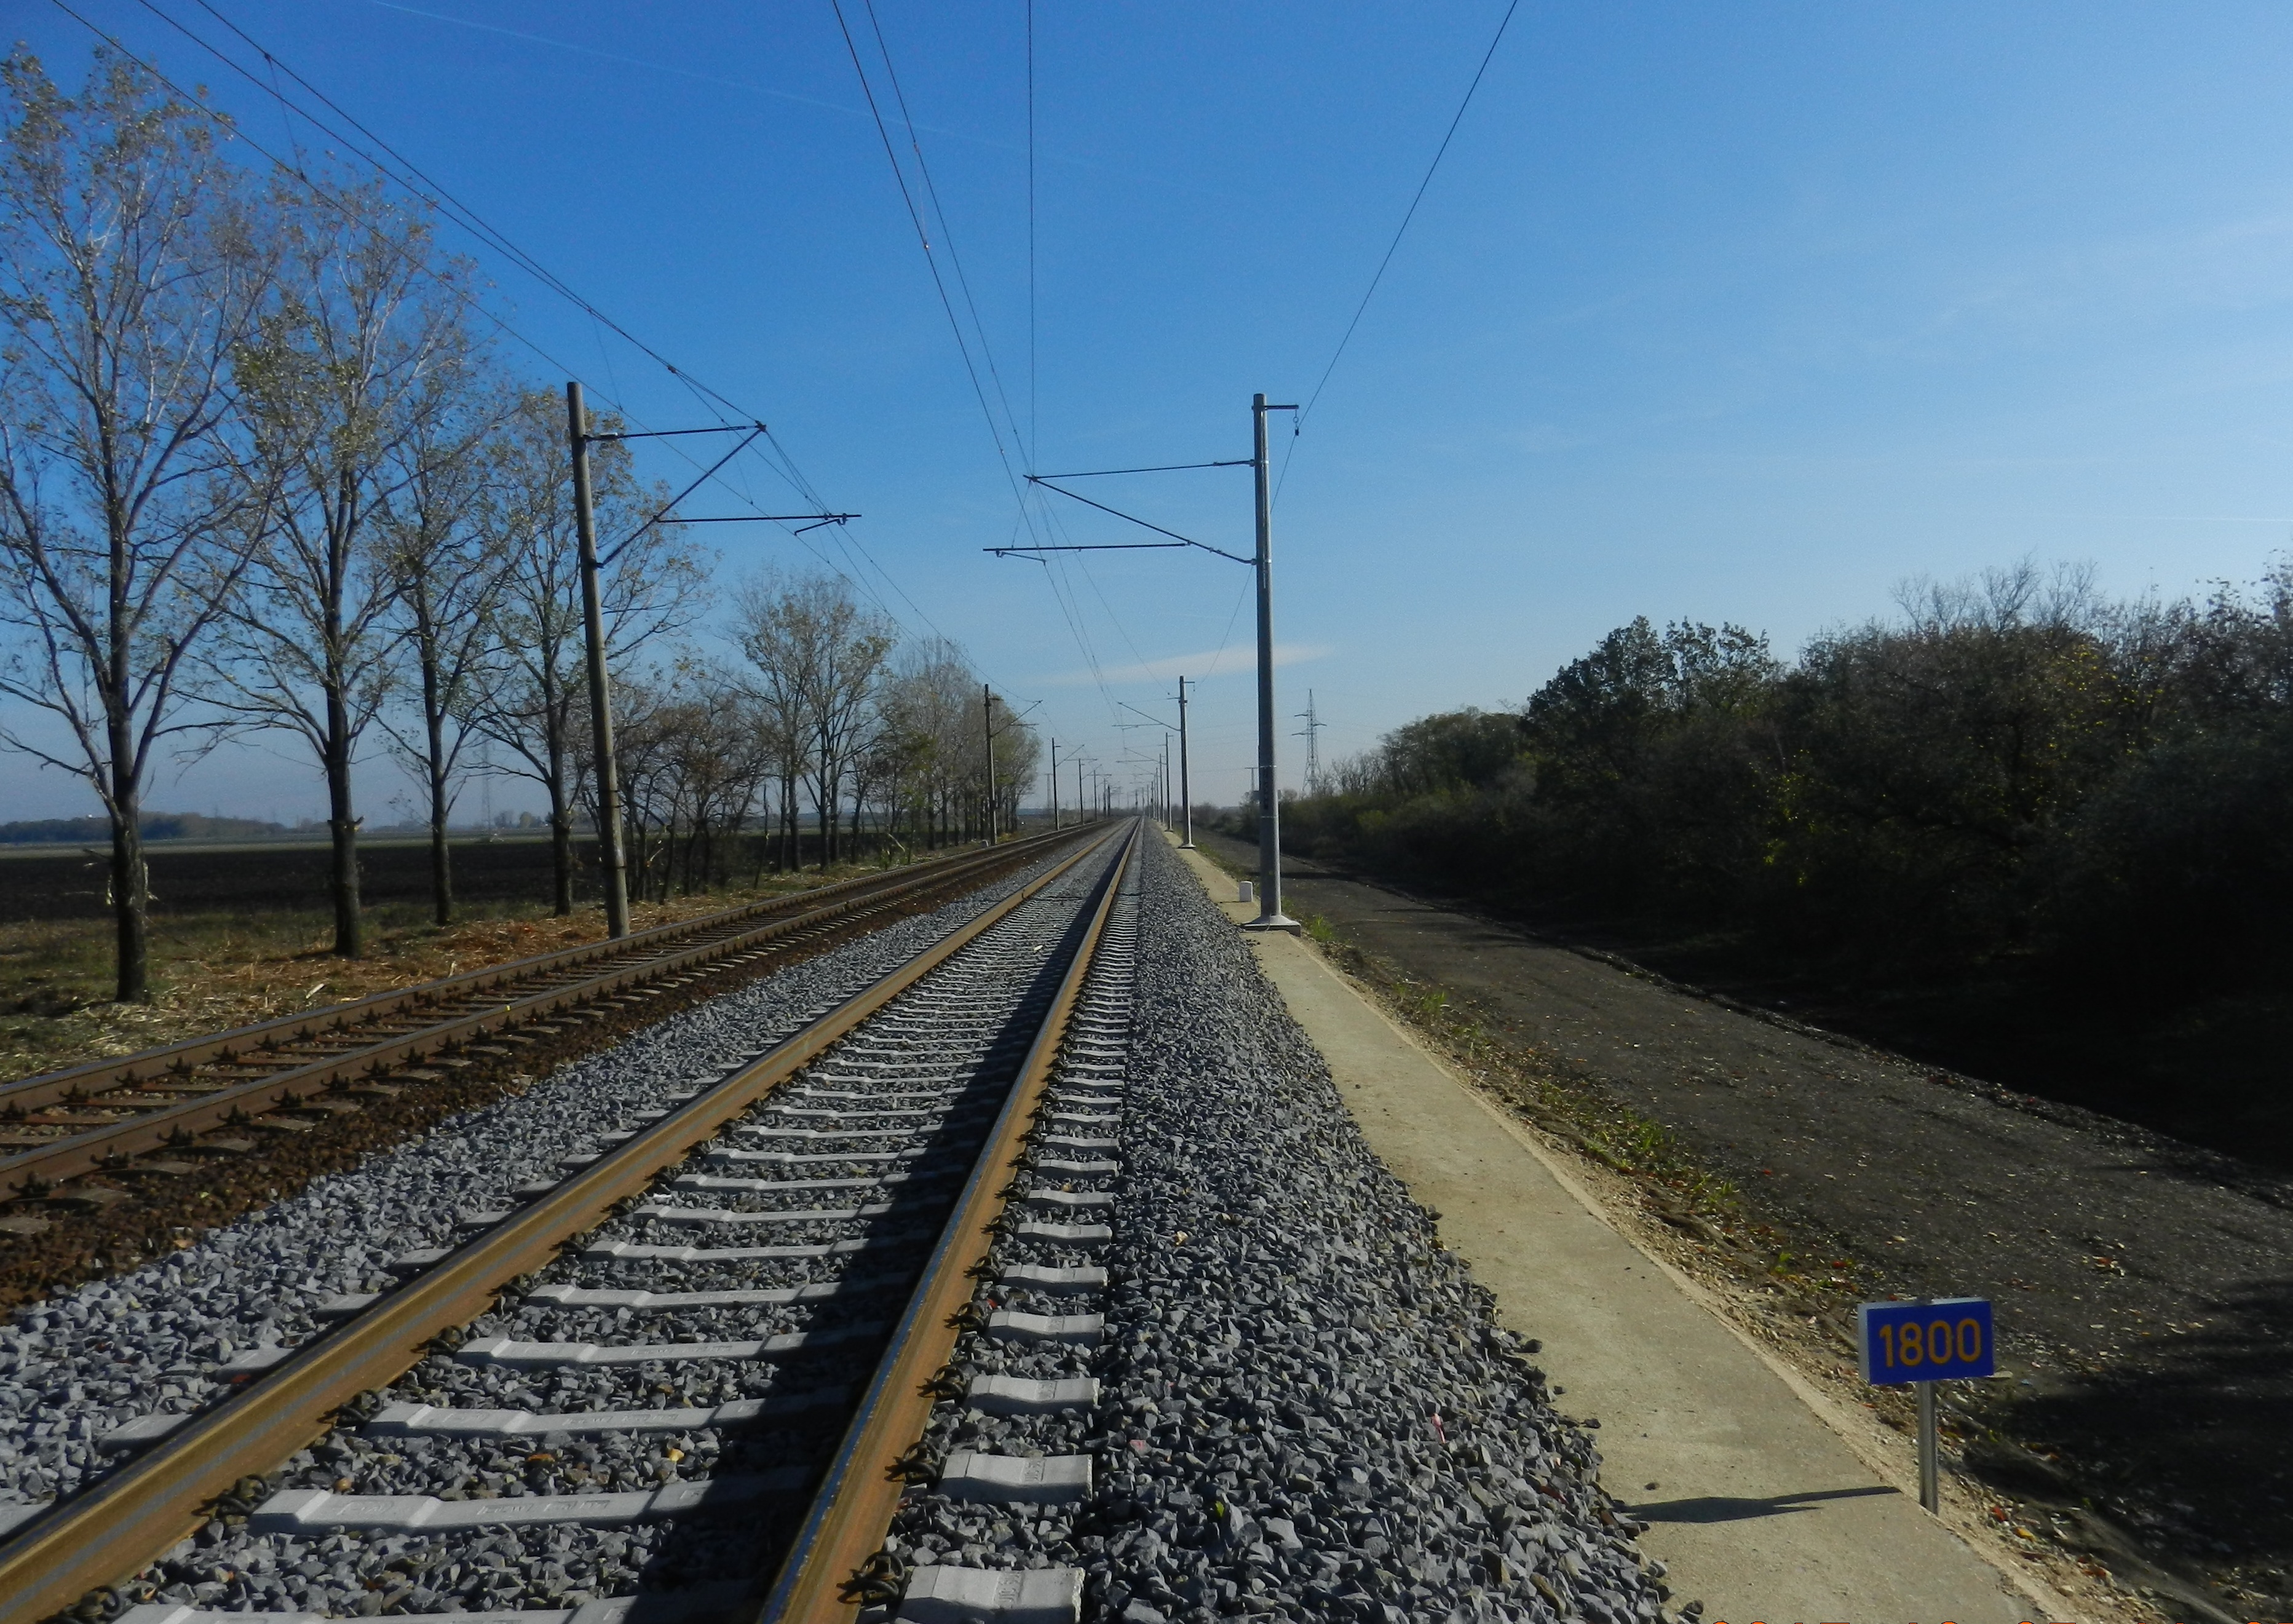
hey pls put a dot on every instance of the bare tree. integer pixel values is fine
(732, 760)
(853, 643)
(818, 653)
(647, 718)
(129, 276)
(896, 765)
(1018, 753)
(780, 651)
(534, 702)
(451, 571)
(777, 747)
(692, 758)
(931, 702)
(364, 348)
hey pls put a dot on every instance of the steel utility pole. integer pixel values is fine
(601, 704)
(1166, 781)
(1269, 794)
(987, 710)
(1055, 786)
(1271, 916)
(1186, 789)
(600, 707)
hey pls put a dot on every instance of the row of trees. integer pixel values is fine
(260, 473)
(2011, 767)
(829, 722)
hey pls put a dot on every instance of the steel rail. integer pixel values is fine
(77, 1083)
(33, 1170)
(137, 1511)
(853, 1509)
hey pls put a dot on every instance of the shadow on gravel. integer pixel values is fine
(1729, 1509)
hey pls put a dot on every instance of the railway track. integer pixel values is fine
(709, 1352)
(68, 1138)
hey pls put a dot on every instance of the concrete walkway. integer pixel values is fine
(1757, 1506)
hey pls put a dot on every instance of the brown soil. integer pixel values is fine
(212, 972)
(2141, 1283)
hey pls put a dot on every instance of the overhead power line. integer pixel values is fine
(923, 236)
(413, 179)
(1402, 229)
(1004, 431)
(431, 190)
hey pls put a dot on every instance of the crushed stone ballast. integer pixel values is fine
(1220, 1364)
(738, 1304)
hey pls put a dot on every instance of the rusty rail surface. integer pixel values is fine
(366, 1039)
(131, 1516)
(851, 1510)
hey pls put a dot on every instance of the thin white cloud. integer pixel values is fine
(1234, 661)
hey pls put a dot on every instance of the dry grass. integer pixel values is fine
(214, 971)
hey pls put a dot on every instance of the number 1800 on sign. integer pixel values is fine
(1944, 1341)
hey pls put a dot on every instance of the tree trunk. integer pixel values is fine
(131, 890)
(342, 822)
(824, 800)
(441, 868)
(441, 860)
(561, 831)
(433, 754)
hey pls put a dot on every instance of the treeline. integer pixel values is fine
(261, 473)
(829, 723)
(2012, 768)
(153, 825)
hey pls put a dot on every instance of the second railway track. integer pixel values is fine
(520, 1423)
(71, 1140)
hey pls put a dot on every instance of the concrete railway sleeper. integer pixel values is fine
(139, 1117)
(628, 1378)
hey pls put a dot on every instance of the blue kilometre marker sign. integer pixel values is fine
(1947, 1340)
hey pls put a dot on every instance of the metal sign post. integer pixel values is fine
(1934, 1339)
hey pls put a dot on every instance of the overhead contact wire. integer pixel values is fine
(422, 186)
(1399, 231)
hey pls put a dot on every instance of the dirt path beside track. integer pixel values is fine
(2144, 1287)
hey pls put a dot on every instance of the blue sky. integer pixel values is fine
(1742, 313)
